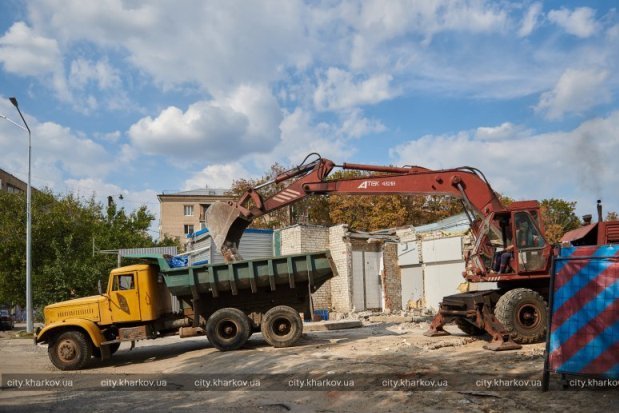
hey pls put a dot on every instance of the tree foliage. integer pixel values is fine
(66, 230)
(559, 217)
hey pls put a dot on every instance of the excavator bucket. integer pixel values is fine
(226, 226)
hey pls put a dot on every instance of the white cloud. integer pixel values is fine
(212, 44)
(25, 53)
(575, 92)
(579, 22)
(58, 153)
(388, 48)
(340, 90)
(530, 20)
(506, 130)
(574, 165)
(84, 71)
(217, 130)
(217, 176)
(355, 125)
(302, 134)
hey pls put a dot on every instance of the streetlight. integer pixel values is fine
(29, 323)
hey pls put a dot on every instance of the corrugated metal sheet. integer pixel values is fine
(578, 233)
(584, 330)
(154, 250)
(457, 224)
(255, 243)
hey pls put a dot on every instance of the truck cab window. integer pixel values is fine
(123, 282)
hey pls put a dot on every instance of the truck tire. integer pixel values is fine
(468, 328)
(524, 314)
(71, 350)
(228, 329)
(281, 326)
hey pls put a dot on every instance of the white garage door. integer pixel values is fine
(366, 286)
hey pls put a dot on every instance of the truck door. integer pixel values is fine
(125, 303)
(529, 244)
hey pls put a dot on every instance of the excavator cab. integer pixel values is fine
(529, 245)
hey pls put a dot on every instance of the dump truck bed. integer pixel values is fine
(250, 276)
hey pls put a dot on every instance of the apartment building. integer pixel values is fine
(182, 213)
(10, 183)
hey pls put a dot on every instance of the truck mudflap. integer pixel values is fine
(475, 308)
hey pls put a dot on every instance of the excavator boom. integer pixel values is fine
(227, 221)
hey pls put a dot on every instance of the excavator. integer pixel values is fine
(514, 313)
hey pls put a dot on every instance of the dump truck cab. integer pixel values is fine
(136, 293)
(76, 329)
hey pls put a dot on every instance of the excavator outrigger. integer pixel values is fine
(515, 312)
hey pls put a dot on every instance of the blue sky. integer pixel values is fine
(139, 97)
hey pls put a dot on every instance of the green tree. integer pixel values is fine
(559, 217)
(65, 230)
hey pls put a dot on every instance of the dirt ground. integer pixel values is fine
(379, 367)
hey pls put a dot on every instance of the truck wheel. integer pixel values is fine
(70, 351)
(281, 326)
(524, 314)
(228, 329)
(468, 328)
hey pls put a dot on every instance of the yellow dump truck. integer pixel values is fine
(225, 302)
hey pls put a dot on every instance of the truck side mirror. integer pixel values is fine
(99, 287)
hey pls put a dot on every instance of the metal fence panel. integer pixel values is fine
(584, 329)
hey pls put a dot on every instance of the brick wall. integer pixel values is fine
(299, 239)
(336, 294)
(392, 277)
(341, 286)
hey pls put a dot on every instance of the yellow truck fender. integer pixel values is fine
(87, 326)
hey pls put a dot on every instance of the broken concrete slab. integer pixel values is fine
(390, 319)
(331, 325)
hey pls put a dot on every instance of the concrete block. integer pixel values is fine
(331, 325)
(390, 319)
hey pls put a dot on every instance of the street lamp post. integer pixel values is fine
(29, 320)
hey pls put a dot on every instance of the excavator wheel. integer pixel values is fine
(469, 328)
(524, 314)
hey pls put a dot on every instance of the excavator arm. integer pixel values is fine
(227, 221)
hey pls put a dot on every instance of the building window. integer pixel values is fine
(13, 189)
(188, 229)
(188, 210)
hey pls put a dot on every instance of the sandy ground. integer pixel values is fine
(380, 367)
